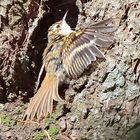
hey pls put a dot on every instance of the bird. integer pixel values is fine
(68, 53)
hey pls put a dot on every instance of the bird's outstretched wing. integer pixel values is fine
(82, 47)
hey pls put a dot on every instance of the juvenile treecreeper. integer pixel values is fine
(68, 53)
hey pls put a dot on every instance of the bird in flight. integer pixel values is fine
(68, 53)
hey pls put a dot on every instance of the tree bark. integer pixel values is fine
(103, 103)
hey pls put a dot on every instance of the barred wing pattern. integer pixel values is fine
(82, 47)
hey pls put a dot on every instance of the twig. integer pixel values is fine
(38, 79)
(47, 134)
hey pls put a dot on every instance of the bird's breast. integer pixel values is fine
(53, 59)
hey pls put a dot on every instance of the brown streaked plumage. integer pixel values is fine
(68, 53)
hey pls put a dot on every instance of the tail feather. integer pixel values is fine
(42, 103)
(56, 96)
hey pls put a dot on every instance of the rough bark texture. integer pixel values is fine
(103, 103)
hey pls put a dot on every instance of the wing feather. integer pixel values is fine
(105, 29)
(82, 47)
(103, 22)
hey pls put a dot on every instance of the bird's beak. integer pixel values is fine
(64, 18)
(65, 28)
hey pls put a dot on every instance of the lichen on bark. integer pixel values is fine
(103, 103)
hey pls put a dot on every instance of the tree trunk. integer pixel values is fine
(103, 103)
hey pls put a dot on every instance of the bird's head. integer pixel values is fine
(60, 28)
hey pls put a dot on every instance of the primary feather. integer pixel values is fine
(82, 47)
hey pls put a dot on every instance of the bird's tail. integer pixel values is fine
(42, 103)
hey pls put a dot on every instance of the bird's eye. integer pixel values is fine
(58, 26)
